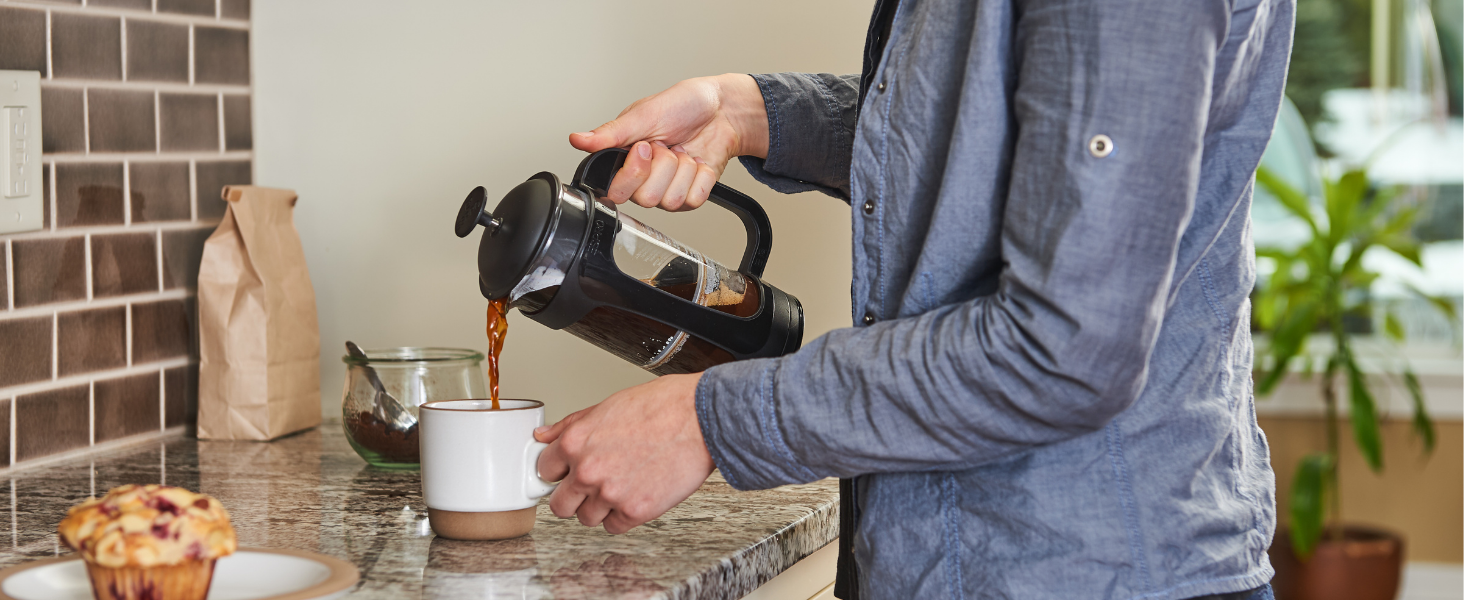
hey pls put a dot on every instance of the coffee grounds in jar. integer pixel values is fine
(375, 435)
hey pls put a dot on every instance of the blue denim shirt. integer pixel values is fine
(1047, 392)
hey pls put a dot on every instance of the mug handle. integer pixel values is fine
(534, 486)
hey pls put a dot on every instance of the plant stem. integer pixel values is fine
(1329, 400)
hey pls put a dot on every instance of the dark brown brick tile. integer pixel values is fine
(190, 121)
(124, 263)
(49, 270)
(161, 330)
(132, 4)
(236, 9)
(5, 432)
(187, 7)
(4, 272)
(45, 195)
(220, 55)
(63, 125)
(182, 252)
(91, 340)
(23, 40)
(121, 121)
(180, 389)
(211, 178)
(88, 194)
(25, 356)
(238, 124)
(159, 191)
(87, 47)
(127, 406)
(52, 422)
(157, 51)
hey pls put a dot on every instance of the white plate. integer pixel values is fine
(249, 574)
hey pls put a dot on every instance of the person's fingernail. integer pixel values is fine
(644, 150)
(660, 143)
(699, 160)
(586, 134)
(678, 149)
(542, 429)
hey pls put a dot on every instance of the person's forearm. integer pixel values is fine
(810, 137)
(743, 104)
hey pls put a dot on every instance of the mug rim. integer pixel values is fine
(428, 405)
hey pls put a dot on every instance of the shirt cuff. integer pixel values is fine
(737, 413)
(810, 133)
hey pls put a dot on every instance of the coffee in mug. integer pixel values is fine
(480, 475)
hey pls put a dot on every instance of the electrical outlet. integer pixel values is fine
(21, 201)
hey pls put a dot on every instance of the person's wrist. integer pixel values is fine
(742, 103)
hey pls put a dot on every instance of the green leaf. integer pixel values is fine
(1343, 197)
(1308, 502)
(1403, 247)
(1444, 305)
(1422, 424)
(1364, 417)
(1393, 327)
(1291, 198)
(1287, 340)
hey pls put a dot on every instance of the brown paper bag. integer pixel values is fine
(259, 377)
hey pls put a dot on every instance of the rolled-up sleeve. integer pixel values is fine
(810, 132)
(1088, 242)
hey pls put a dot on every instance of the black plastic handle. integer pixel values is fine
(596, 171)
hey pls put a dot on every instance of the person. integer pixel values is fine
(1047, 390)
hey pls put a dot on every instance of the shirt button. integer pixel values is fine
(1100, 146)
(869, 207)
(868, 318)
(881, 86)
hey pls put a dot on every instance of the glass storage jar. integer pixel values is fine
(412, 376)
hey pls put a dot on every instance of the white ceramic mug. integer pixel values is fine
(480, 474)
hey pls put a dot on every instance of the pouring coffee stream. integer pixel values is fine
(570, 261)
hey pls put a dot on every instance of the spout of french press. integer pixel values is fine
(474, 212)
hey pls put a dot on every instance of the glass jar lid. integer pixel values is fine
(414, 355)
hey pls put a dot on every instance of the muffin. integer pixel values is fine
(151, 542)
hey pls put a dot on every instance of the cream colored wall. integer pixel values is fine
(1421, 497)
(383, 117)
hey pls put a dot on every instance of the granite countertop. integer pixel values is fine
(311, 492)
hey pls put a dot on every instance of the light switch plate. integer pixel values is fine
(21, 200)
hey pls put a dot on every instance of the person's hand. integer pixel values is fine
(681, 139)
(629, 459)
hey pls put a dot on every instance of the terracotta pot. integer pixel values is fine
(1363, 563)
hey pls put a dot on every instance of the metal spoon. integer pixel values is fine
(387, 409)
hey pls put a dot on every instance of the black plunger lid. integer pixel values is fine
(515, 232)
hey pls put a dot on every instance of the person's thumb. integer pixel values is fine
(628, 129)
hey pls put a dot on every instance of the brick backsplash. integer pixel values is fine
(146, 115)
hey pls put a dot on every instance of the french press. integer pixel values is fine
(571, 262)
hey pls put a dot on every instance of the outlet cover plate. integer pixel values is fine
(21, 200)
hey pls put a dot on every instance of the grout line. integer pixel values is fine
(92, 468)
(126, 193)
(155, 5)
(157, 122)
(223, 131)
(106, 229)
(162, 399)
(88, 268)
(49, 73)
(100, 157)
(159, 246)
(97, 450)
(190, 54)
(13, 400)
(123, 25)
(193, 190)
(129, 333)
(52, 199)
(74, 380)
(162, 17)
(55, 342)
(85, 121)
(9, 277)
(91, 418)
(218, 9)
(22, 313)
(14, 525)
(163, 460)
(148, 86)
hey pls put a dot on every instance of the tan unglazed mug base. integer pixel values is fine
(481, 525)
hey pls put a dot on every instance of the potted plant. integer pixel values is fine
(1320, 287)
